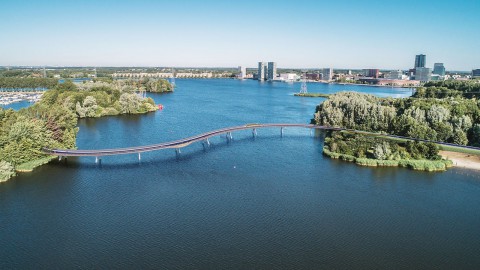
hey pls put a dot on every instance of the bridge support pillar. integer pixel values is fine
(229, 136)
(206, 143)
(281, 131)
(178, 152)
(254, 132)
(139, 157)
(59, 158)
(98, 160)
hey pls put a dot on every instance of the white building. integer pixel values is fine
(395, 75)
(288, 77)
(242, 72)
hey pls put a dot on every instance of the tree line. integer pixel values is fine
(27, 83)
(453, 120)
(438, 112)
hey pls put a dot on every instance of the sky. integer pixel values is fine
(347, 34)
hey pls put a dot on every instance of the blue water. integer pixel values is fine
(76, 80)
(17, 105)
(263, 202)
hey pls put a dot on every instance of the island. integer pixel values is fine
(440, 111)
(52, 121)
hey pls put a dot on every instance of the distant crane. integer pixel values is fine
(303, 88)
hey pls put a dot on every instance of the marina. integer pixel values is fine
(7, 98)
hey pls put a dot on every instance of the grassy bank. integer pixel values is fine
(459, 149)
(419, 165)
(312, 95)
(29, 166)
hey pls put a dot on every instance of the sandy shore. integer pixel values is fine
(462, 160)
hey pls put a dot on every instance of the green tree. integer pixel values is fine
(130, 103)
(382, 150)
(6, 171)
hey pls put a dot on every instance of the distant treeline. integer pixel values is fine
(444, 89)
(27, 83)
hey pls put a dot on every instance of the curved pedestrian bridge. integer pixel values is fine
(205, 136)
(178, 143)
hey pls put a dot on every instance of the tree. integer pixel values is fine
(130, 103)
(438, 114)
(81, 112)
(420, 131)
(476, 135)
(444, 131)
(90, 106)
(382, 150)
(459, 137)
(6, 171)
(68, 85)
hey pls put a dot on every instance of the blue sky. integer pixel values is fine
(339, 34)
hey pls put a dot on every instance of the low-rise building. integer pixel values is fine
(288, 77)
(476, 73)
(395, 75)
(397, 83)
(313, 76)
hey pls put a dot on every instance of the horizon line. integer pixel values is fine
(200, 67)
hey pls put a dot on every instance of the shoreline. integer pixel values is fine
(417, 165)
(462, 160)
(375, 85)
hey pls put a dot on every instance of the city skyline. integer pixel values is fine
(222, 34)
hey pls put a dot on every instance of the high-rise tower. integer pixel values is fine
(272, 71)
(420, 60)
(262, 66)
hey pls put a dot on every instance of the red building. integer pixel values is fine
(313, 76)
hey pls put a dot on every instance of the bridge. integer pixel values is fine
(204, 138)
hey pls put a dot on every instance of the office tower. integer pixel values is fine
(371, 73)
(327, 74)
(420, 60)
(261, 71)
(423, 74)
(272, 70)
(439, 69)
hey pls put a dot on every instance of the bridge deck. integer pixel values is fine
(204, 136)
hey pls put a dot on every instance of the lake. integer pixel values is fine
(254, 202)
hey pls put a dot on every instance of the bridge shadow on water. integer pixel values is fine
(169, 157)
